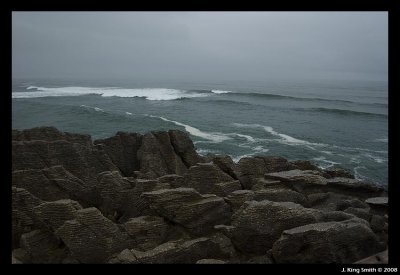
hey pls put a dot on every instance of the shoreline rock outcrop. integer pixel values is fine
(151, 198)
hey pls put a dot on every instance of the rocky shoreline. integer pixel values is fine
(152, 198)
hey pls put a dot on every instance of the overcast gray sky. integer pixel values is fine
(202, 46)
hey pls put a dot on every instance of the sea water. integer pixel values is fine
(331, 123)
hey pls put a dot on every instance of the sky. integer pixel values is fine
(200, 46)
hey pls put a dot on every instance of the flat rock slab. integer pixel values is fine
(185, 206)
(329, 242)
(378, 201)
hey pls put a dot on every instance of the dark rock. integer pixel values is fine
(379, 205)
(330, 201)
(50, 134)
(280, 195)
(188, 252)
(54, 214)
(238, 197)
(379, 258)
(184, 148)
(257, 225)
(331, 242)
(23, 217)
(91, 237)
(175, 181)
(353, 187)
(147, 232)
(207, 178)
(210, 261)
(379, 201)
(261, 184)
(122, 150)
(53, 183)
(250, 169)
(377, 223)
(185, 206)
(226, 164)
(304, 165)
(337, 173)
(362, 213)
(300, 180)
(42, 247)
(157, 156)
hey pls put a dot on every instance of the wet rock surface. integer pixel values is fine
(151, 198)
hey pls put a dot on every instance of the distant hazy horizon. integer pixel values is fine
(200, 46)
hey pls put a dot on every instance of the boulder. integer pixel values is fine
(91, 237)
(23, 217)
(53, 183)
(238, 197)
(249, 169)
(362, 213)
(175, 181)
(331, 201)
(53, 214)
(50, 134)
(177, 252)
(303, 181)
(157, 156)
(147, 232)
(42, 247)
(184, 148)
(226, 164)
(207, 178)
(185, 206)
(331, 242)
(257, 225)
(280, 195)
(337, 173)
(122, 150)
(304, 165)
(379, 205)
(354, 187)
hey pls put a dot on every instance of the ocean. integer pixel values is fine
(331, 123)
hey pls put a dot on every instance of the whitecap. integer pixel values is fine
(375, 158)
(148, 93)
(283, 138)
(260, 149)
(128, 113)
(97, 109)
(220, 92)
(357, 174)
(216, 137)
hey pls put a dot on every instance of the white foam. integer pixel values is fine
(128, 113)
(375, 158)
(283, 138)
(357, 174)
(93, 108)
(220, 92)
(329, 163)
(237, 158)
(215, 137)
(148, 93)
(260, 149)
(206, 151)
(249, 138)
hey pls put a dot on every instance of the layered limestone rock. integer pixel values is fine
(185, 206)
(331, 242)
(150, 198)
